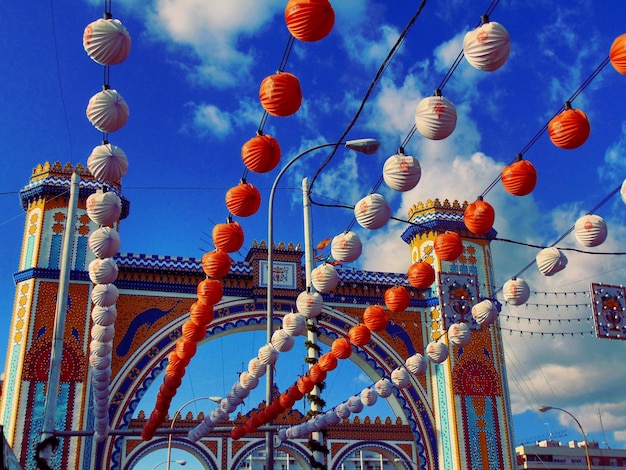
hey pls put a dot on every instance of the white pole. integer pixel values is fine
(56, 355)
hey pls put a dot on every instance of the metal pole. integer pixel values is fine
(56, 354)
(582, 431)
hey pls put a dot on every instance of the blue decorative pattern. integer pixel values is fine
(443, 415)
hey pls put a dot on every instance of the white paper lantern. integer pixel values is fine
(104, 316)
(324, 278)
(227, 406)
(294, 323)
(416, 364)
(550, 261)
(516, 291)
(104, 208)
(104, 295)
(622, 192)
(346, 247)
(354, 403)
(104, 242)
(384, 387)
(107, 41)
(268, 354)
(101, 385)
(435, 117)
(256, 368)
(101, 375)
(485, 312)
(282, 434)
(282, 341)
(98, 348)
(459, 334)
(487, 47)
(402, 172)
(313, 425)
(107, 111)
(99, 362)
(437, 351)
(107, 162)
(368, 396)
(103, 271)
(310, 304)
(400, 377)
(590, 230)
(332, 418)
(372, 212)
(102, 333)
(343, 411)
(218, 415)
(239, 391)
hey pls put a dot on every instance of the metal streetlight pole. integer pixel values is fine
(179, 462)
(366, 146)
(543, 409)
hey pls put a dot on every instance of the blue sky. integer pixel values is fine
(191, 82)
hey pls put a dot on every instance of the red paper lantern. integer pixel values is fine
(341, 348)
(286, 401)
(210, 291)
(280, 94)
(309, 20)
(201, 314)
(479, 217)
(243, 200)
(375, 318)
(421, 275)
(397, 299)
(185, 348)
(448, 246)
(617, 55)
(519, 178)
(359, 335)
(317, 374)
(327, 362)
(295, 393)
(570, 129)
(261, 153)
(172, 383)
(228, 237)
(192, 331)
(174, 372)
(305, 384)
(175, 360)
(237, 432)
(216, 264)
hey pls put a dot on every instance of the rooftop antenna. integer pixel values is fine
(547, 425)
(602, 428)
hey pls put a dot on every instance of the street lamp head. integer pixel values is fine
(366, 146)
(543, 409)
(181, 462)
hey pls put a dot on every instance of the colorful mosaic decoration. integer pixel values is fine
(458, 294)
(609, 307)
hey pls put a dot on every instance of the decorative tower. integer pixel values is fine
(45, 200)
(469, 390)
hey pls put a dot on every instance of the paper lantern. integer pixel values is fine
(368, 397)
(421, 275)
(177, 361)
(104, 242)
(342, 410)
(103, 271)
(354, 404)
(400, 377)
(327, 362)
(107, 41)
(309, 304)
(519, 178)
(280, 94)
(590, 230)
(435, 117)
(268, 354)
(487, 47)
(359, 335)
(383, 387)
(485, 312)
(228, 237)
(375, 318)
(622, 192)
(416, 364)
(332, 418)
(218, 415)
(341, 348)
(237, 433)
(397, 298)
(174, 372)
(201, 314)
(309, 20)
(243, 200)
(516, 291)
(210, 291)
(239, 391)
(100, 349)
(286, 401)
(550, 261)
(104, 316)
(570, 129)
(617, 54)
(216, 264)
(248, 381)
(448, 246)
(104, 208)
(256, 368)
(346, 247)
(228, 406)
(185, 348)
(104, 295)
(282, 341)
(317, 374)
(261, 153)
(305, 384)
(107, 162)
(294, 392)
(479, 217)
(372, 212)
(437, 351)
(294, 323)
(193, 332)
(402, 172)
(324, 278)
(107, 111)
(459, 334)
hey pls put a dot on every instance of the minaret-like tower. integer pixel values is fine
(45, 200)
(469, 390)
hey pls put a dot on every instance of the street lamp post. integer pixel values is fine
(179, 462)
(366, 146)
(543, 409)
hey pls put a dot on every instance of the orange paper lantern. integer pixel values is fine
(286, 401)
(175, 360)
(280, 94)
(397, 299)
(617, 54)
(375, 318)
(519, 178)
(327, 362)
(295, 393)
(228, 237)
(200, 313)
(421, 275)
(309, 20)
(305, 384)
(261, 153)
(317, 374)
(479, 217)
(341, 348)
(210, 291)
(570, 129)
(185, 348)
(243, 200)
(237, 432)
(448, 246)
(216, 264)
(193, 332)
(359, 335)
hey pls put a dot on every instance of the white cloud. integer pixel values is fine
(209, 119)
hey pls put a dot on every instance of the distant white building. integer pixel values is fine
(552, 455)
